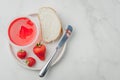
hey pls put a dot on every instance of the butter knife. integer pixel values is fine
(65, 37)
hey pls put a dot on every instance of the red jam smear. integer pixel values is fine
(25, 32)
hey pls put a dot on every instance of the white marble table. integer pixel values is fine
(93, 52)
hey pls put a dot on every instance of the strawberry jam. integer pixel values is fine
(22, 31)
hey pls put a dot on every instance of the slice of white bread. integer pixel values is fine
(50, 24)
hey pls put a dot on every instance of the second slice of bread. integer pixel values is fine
(50, 24)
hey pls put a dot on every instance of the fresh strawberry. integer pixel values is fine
(21, 54)
(30, 61)
(39, 50)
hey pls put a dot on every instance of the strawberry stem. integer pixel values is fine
(21, 50)
(38, 44)
(27, 62)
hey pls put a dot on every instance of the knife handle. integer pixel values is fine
(47, 65)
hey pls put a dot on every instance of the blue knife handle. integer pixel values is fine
(65, 36)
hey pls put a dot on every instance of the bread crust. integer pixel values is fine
(60, 31)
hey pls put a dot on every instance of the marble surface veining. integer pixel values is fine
(93, 52)
(103, 17)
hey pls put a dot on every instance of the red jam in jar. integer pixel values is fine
(22, 31)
